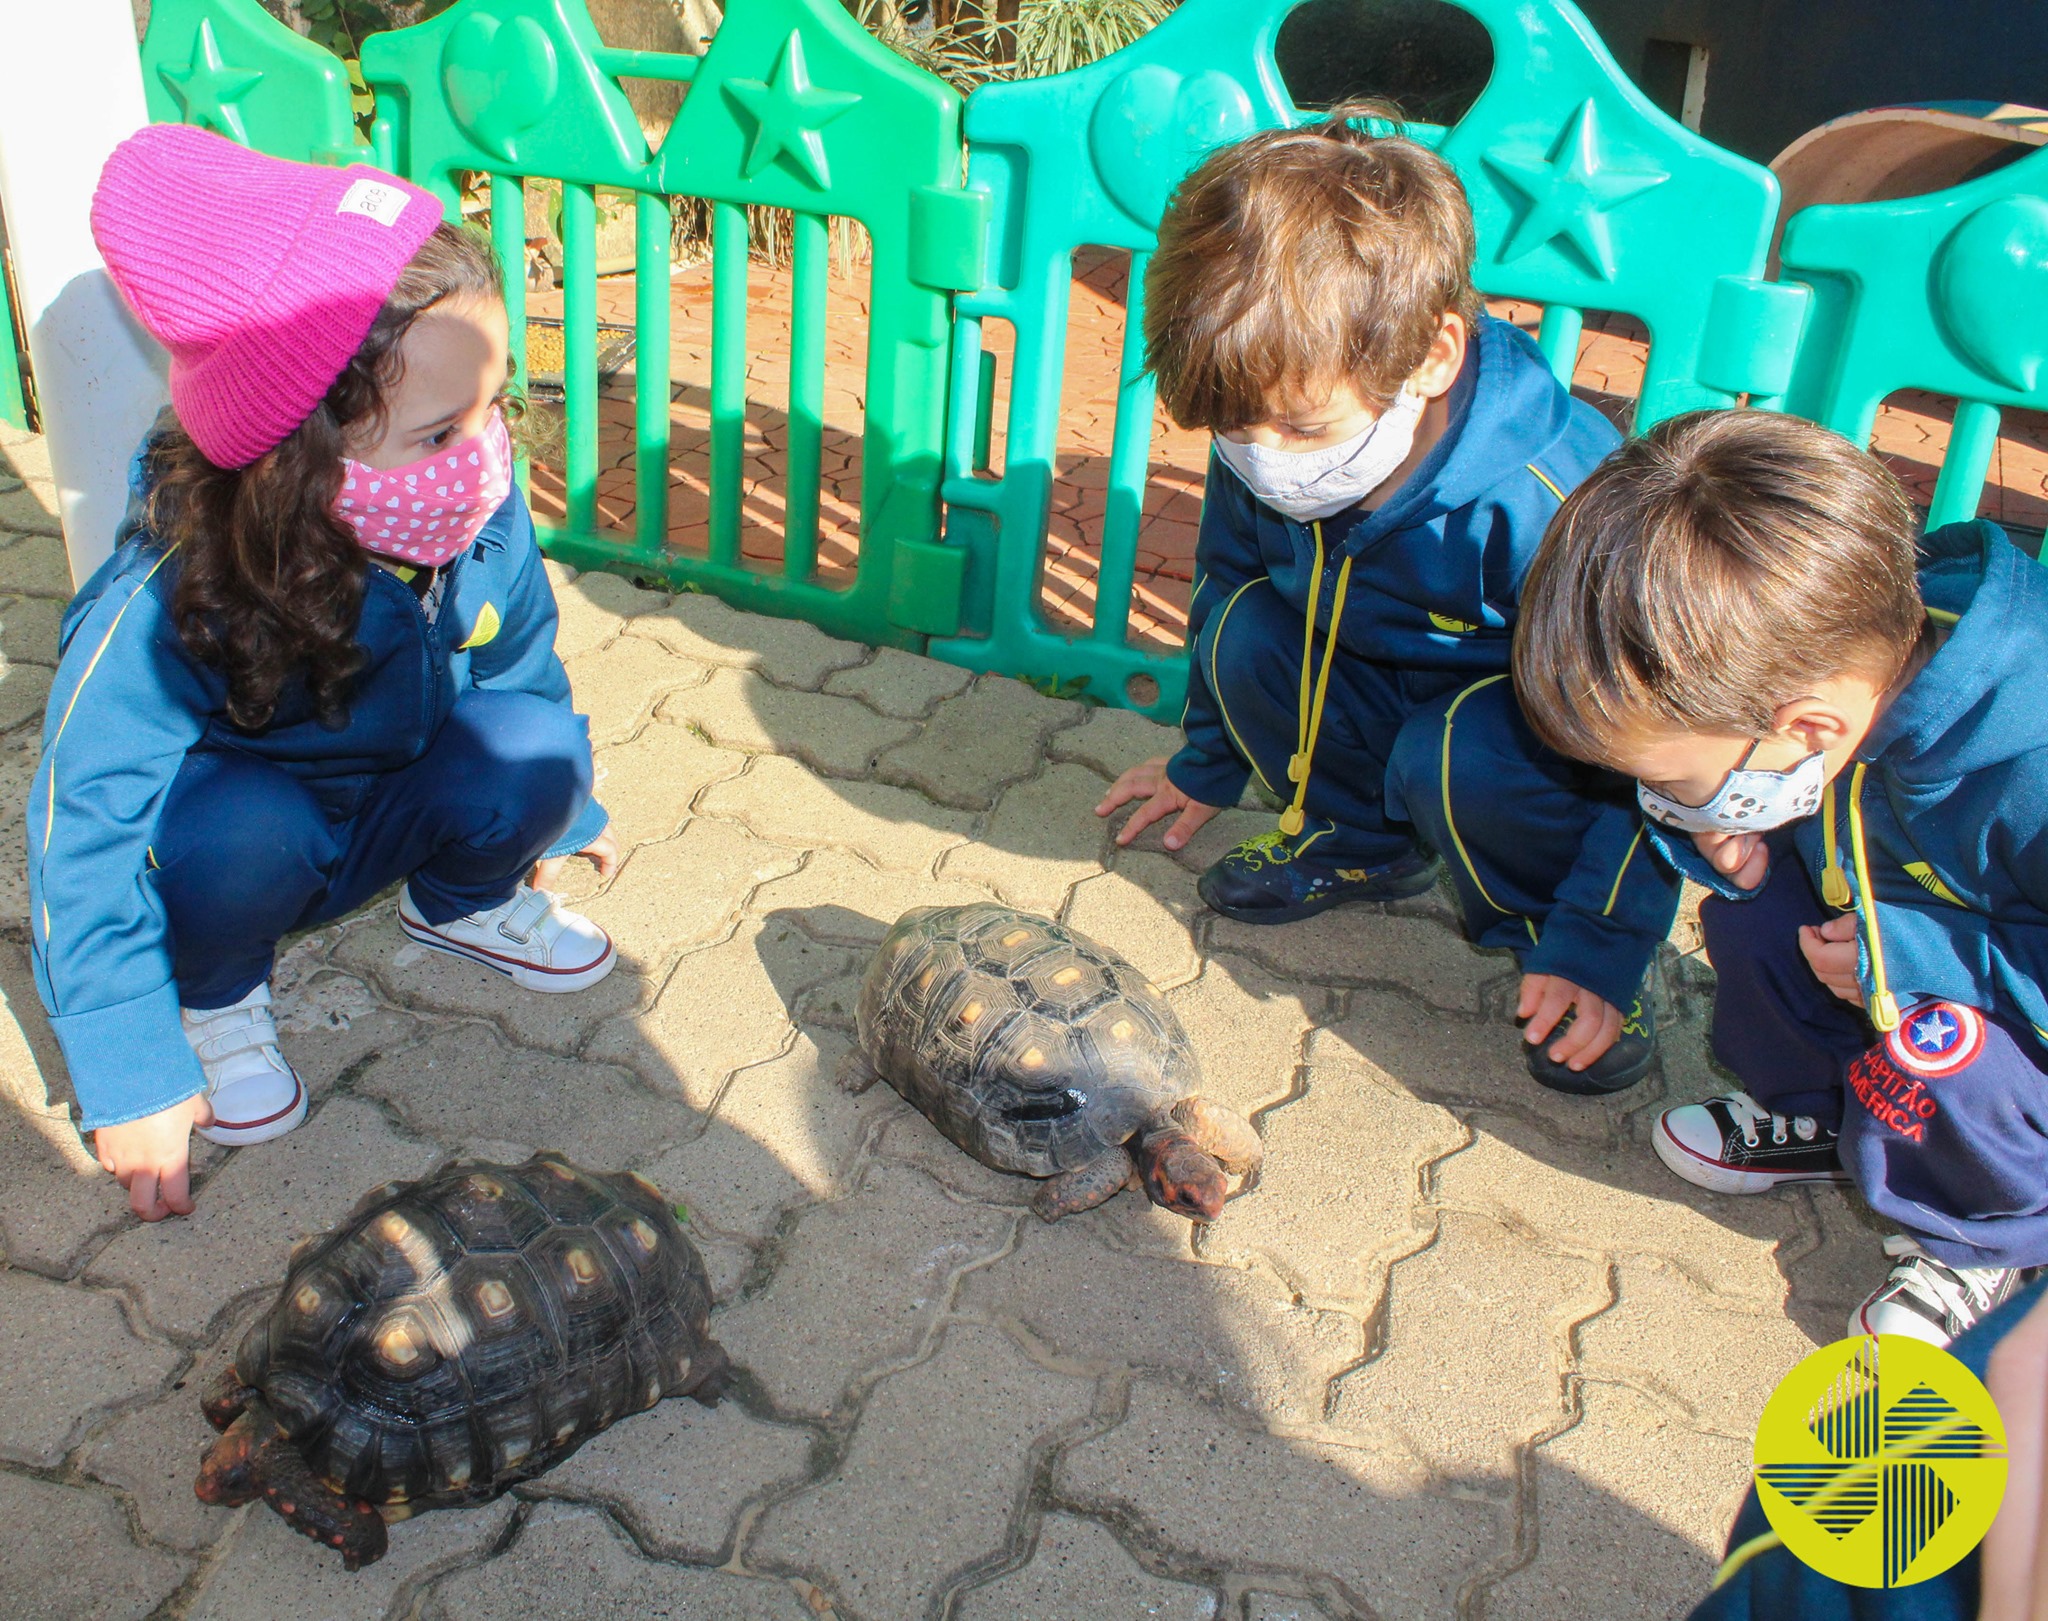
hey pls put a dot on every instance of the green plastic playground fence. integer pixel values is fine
(795, 106)
(13, 397)
(1585, 197)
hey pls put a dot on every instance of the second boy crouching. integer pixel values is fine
(1386, 459)
(1845, 741)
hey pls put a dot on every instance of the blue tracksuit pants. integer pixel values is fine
(247, 852)
(1944, 1121)
(1439, 758)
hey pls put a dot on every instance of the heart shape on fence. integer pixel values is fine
(1991, 290)
(1153, 125)
(499, 78)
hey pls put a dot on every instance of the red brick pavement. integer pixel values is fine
(1911, 432)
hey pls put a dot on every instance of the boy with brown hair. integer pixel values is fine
(1845, 740)
(1387, 456)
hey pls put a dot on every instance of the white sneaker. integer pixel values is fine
(1733, 1144)
(532, 938)
(1929, 1299)
(255, 1094)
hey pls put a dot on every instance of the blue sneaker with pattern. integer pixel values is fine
(1264, 881)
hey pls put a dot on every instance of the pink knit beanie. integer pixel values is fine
(261, 277)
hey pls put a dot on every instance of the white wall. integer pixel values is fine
(70, 90)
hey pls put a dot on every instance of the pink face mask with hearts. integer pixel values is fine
(428, 511)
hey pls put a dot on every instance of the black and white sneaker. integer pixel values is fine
(1733, 1144)
(1930, 1300)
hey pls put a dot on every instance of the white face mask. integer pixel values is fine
(1310, 484)
(1746, 802)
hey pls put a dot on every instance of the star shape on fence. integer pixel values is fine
(1570, 191)
(788, 112)
(206, 88)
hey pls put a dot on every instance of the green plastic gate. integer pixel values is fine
(1585, 196)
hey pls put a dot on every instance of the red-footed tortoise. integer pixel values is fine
(452, 1337)
(1042, 1053)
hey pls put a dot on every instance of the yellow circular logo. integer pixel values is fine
(1880, 1461)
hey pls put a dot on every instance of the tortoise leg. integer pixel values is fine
(1086, 1186)
(255, 1458)
(223, 1402)
(856, 1074)
(710, 1375)
(1222, 1133)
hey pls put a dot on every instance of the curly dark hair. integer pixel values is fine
(271, 581)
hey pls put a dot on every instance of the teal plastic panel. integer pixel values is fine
(229, 66)
(1585, 197)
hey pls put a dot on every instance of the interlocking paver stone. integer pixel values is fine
(24, 690)
(1247, 1028)
(1371, 1520)
(1235, 1333)
(570, 1565)
(29, 511)
(1364, 944)
(28, 629)
(679, 1474)
(930, 1478)
(268, 1570)
(620, 690)
(48, 1390)
(992, 734)
(684, 891)
(1111, 741)
(66, 1552)
(738, 709)
(899, 683)
(33, 565)
(862, 1281)
(890, 827)
(787, 651)
(1145, 910)
(1039, 842)
(840, 899)
(252, 1211)
(649, 783)
(1079, 1569)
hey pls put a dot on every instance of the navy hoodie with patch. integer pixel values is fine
(1436, 581)
(130, 701)
(1940, 824)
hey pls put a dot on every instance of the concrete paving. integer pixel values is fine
(1465, 1349)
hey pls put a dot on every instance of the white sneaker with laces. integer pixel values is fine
(1930, 1300)
(254, 1093)
(532, 938)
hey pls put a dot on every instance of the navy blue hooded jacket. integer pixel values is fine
(1939, 826)
(129, 702)
(1436, 580)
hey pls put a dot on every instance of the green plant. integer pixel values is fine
(1055, 36)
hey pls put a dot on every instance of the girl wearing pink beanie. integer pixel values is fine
(321, 662)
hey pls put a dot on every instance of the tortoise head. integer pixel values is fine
(1179, 1175)
(232, 1472)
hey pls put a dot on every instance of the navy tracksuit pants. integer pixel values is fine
(246, 851)
(1944, 1121)
(1443, 758)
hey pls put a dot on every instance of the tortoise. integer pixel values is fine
(452, 1337)
(1043, 1053)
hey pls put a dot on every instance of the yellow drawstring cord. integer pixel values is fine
(1309, 713)
(1834, 883)
(1884, 1007)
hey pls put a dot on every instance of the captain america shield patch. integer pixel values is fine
(1937, 1039)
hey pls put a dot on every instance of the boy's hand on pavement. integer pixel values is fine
(2014, 1569)
(1149, 783)
(1596, 1025)
(151, 1157)
(603, 852)
(1832, 954)
(1741, 858)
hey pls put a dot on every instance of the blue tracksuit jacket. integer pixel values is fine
(129, 702)
(1940, 825)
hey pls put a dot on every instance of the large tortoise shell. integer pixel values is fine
(465, 1332)
(1029, 1045)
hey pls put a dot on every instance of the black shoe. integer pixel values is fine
(1930, 1300)
(1617, 1069)
(1733, 1144)
(1263, 881)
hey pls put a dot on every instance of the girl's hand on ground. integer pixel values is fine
(1832, 954)
(602, 851)
(1149, 783)
(151, 1157)
(1741, 858)
(1545, 999)
(2014, 1573)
